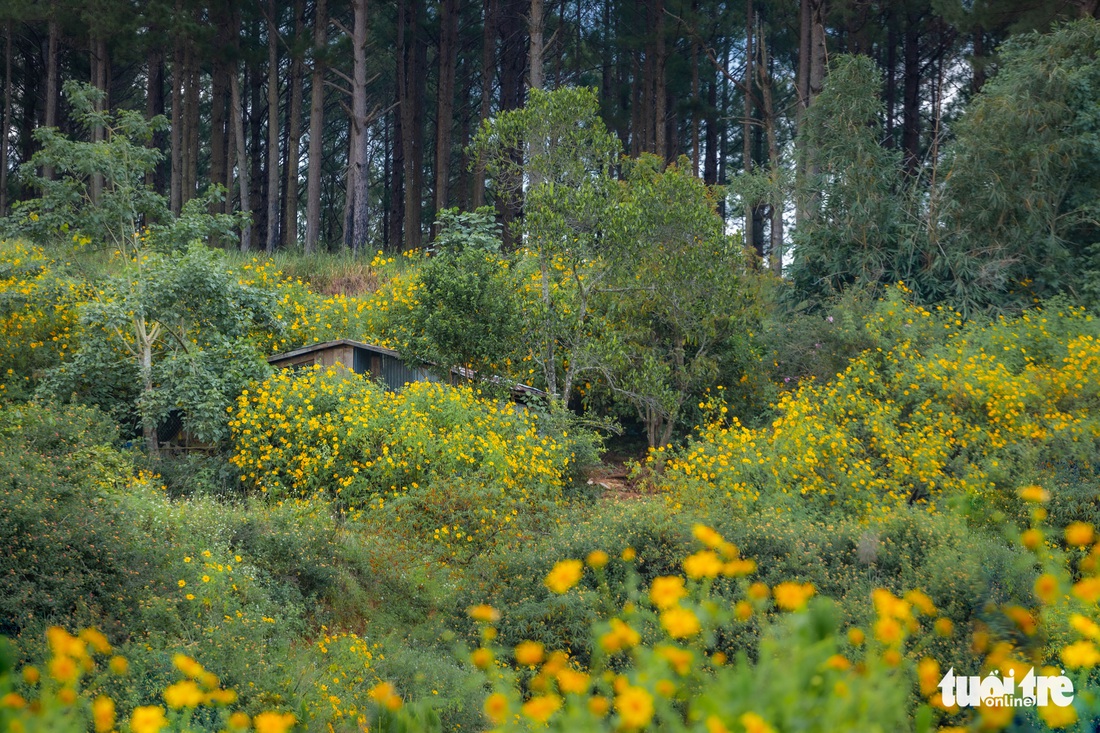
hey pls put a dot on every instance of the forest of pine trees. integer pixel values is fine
(346, 124)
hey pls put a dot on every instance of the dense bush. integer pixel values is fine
(447, 465)
(964, 418)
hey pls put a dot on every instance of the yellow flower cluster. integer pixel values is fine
(38, 314)
(911, 424)
(446, 462)
(75, 656)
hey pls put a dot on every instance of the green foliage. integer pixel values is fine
(68, 546)
(170, 333)
(98, 192)
(466, 313)
(679, 299)
(1022, 180)
(853, 232)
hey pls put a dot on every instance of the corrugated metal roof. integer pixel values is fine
(328, 345)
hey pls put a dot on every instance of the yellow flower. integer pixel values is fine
(743, 610)
(13, 700)
(703, 564)
(855, 636)
(528, 653)
(570, 681)
(629, 554)
(1085, 626)
(97, 640)
(680, 623)
(707, 536)
(838, 662)
(597, 559)
(995, 717)
(31, 675)
(666, 591)
(273, 722)
(921, 601)
(755, 724)
(1046, 588)
(1031, 538)
(63, 669)
(1036, 494)
(484, 613)
(496, 708)
(185, 694)
(119, 665)
(928, 672)
(715, 725)
(888, 630)
(792, 596)
(1079, 533)
(103, 714)
(1081, 654)
(598, 705)
(239, 721)
(542, 707)
(1058, 717)
(148, 719)
(635, 707)
(565, 575)
(181, 583)
(679, 659)
(1087, 589)
(944, 626)
(190, 596)
(620, 637)
(188, 666)
(206, 578)
(759, 591)
(482, 658)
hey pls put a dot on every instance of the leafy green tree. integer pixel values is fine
(680, 297)
(1021, 197)
(566, 185)
(123, 207)
(169, 333)
(854, 227)
(466, 312)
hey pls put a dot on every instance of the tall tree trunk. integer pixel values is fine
(176, 196)
(4, 137)
(219, 120)
(978, 61)
(357, 131)
(660, 97)
(411, 104)
(53, 81)
(696, 109)
(910, 111)
(272, 240)
(751, 237)
(237, 112)
(710, 158)
(98, 59)
(775, 251)
(154, 106)
(316, 127)
(448, 56)
(536, 23)
(191, 109)
(891, 84)
(294, 130)
(488, 66)
(254, 77)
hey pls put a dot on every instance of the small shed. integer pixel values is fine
(380, 363)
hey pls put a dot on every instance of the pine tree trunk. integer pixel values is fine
(910, 111)
(536, 22)
(294, 130)
(775, 250)
(488, 66)
(52, 77)
(242, 156)
(272, 239)
(746, 126)
(219, 100)
(191, 109)
(4, 142)
(411, 104)
(98, 58)
(357, 211)
(448, 56)
(660, 96)
(176, 196)
(154, 106)
(316, 128)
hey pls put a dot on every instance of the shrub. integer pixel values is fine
(446, 464)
